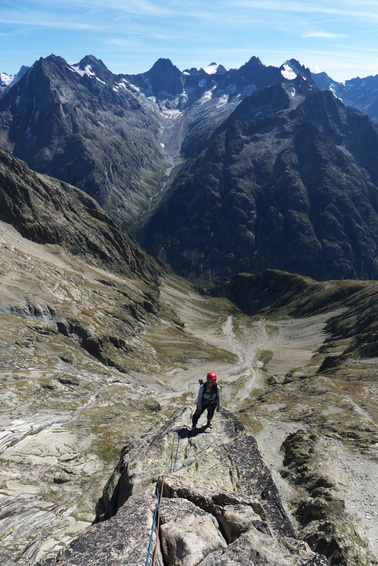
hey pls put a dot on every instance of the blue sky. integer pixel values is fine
(339, 37)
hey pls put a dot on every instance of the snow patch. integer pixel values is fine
(288, 73)
(6, 79)
(206, 96)
(211, 69)
(222, 100)
(87, 71)
(130, 85)
(171, 113)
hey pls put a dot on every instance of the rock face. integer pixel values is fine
(284, 183)
(218, 504)
(81, 125)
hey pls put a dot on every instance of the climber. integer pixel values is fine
(208, 398)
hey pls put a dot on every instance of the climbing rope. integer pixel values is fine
(158, 524)
(156, 518)
(153, 527)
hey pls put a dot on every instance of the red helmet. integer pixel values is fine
(211, 375)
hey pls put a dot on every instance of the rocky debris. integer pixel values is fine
(122, 540)
(206, 512)
(325, 523)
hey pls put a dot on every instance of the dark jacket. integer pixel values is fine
(209, 396)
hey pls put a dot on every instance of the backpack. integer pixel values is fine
(205, 391)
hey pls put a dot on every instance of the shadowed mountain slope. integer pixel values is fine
(84, 126)
(48, 211)
(214, 171)
(289, 181)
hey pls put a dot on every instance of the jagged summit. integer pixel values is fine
(293, 68)
(93, 67)
(162, 78)
(213, 68)
(163, 65)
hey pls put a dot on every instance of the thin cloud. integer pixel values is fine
(45, 20)
(324, 35)
(132, 7)
(305, 8)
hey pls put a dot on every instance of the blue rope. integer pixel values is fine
(153, 527)
(158, 495)
(178, 444)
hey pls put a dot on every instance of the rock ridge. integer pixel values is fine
(218, 504)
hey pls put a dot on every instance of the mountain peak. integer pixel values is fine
(164, 65)
(91, 60)
(93, 67)
(164, 76)
(293, 68)
(214, 68)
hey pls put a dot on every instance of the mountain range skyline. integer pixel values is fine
(213, 174)
(339, 39)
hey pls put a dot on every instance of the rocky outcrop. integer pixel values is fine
(324, 521)
(217, 504)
